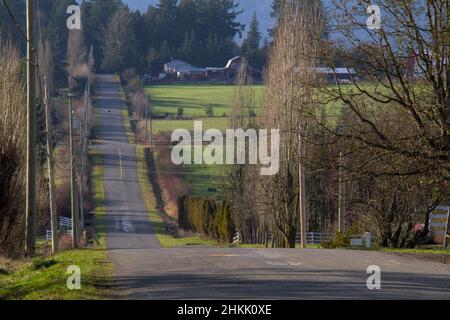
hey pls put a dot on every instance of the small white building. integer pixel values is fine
(183, 70)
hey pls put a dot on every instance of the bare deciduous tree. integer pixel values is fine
(288, 97)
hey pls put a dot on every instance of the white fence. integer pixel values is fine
(318, 237)
(64, 224)
(48, 235)
(315, 237)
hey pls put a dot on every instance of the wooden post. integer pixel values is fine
(53, 213)
(73, 204)
(146, 121)
(30, 201)
(302, 194)
(340, 196)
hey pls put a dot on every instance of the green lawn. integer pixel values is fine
(194, 98)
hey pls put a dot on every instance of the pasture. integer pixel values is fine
(195, 98)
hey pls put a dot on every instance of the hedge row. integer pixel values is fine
(210, 217)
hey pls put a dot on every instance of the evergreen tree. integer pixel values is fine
(190, 50)
(119, 42)
(218, 17)
(251, 46)
(166, 21)
(187, 17)
(96, 16)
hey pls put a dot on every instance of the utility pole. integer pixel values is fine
(53, 213)
(83, 133)
(341, 199)
(73, 206)
(151, 128)
(302, 193)
(30, 201)
(146, 121)
(139, 111)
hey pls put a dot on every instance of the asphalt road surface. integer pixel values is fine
(144, 270)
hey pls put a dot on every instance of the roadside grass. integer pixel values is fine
(45, 278)
(131, 137)
(98, 196)
(431, 250)
(164, 237)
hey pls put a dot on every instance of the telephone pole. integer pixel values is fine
(30, 201)
(341, 196)
(53, 213)
(83, 134)
(73, 201)
(151, 123)
(302, 193)
(146, 121)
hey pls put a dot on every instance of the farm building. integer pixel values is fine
(341, 75)
(230, 71)
(181, 70)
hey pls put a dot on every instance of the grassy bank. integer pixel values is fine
(45, 278)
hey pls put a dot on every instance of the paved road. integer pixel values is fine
(127, 225)
(143, 270)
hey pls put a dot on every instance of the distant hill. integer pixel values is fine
(261, 7)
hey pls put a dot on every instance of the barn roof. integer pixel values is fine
(182, 66)
(336, 70)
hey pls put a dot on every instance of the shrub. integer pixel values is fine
(210, 217)
(209, 112)
(340, 240)
(180, 113)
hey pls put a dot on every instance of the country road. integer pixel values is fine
(144, 270)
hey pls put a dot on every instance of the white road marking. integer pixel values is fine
(284, 263)
(127, 226)
(121, 165)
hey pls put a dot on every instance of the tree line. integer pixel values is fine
(201, 32)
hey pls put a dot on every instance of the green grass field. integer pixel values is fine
(195, 98)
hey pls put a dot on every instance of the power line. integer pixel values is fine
(13, 18)
(20, 30)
